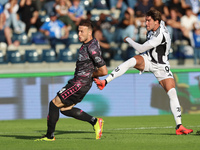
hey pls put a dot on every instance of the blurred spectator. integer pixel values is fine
(21, 25)
(76, 12)
(89, 17)
(142, 6)
(195, 42)
(107, 26)
(117, 4)
(193, 4)
(3, 2)
(107, 52)
(62, 7)
(38, 4)
(176, 4)
(121, 29)
(5, 33)
(12, 19)
(1, 8)
(130, 3)
(29, 14)
(174, 25)
(141, 31)
(49, 6)
(162, 8)
(122, 5)
(56, 31)
(188, 20)
(62, 10)
(126, 26)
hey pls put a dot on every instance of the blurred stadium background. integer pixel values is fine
(32, 74)
(26, 95)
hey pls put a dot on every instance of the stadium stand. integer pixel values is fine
(49, 55)
(33, 56)
(15, 56)
(66, 55)
(35, 49)
(2, 57)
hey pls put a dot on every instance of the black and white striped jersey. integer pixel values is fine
(161, 42)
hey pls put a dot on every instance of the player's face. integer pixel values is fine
(84, 34)
(151, 24)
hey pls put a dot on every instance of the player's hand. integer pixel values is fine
(100, 83)
(125, 39)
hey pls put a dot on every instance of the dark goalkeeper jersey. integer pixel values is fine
(89, 58)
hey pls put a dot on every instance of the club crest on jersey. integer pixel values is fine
(150, 33)
(97, 59)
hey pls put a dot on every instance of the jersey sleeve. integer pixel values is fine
(139, 47)
(60, 23)
(44, 26)
(156, 40)
(71, 9)
(94, 51)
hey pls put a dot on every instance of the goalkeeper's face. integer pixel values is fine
(85, 34)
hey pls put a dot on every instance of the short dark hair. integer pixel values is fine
(154, 14)
(188, 8)
(87, 23)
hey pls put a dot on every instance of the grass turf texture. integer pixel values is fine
(120, 133)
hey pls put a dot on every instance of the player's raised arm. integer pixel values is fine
(138, 47)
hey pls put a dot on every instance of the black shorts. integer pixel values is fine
(72, 93)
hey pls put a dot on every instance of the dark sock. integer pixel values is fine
(106, 82)
(178, 126)
(80, 115)
(52, 118)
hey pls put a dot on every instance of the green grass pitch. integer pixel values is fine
(120, 133)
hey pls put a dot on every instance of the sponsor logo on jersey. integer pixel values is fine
(62, 90)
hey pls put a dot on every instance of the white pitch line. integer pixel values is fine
(115, 129)
(146, 128)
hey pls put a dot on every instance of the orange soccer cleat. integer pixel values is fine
(100, 83)
(182, 130)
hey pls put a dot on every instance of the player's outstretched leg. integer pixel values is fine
(98, 128)
(100, 83)
(77, 113)
(182, 130)
(118, 71)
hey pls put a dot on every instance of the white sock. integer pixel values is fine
(121, 69)
(174, 105)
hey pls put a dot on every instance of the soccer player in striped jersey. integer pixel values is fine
(153, 58)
